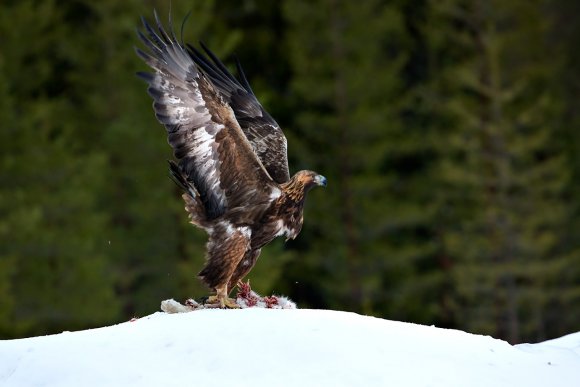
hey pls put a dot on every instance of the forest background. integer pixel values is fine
(448, 131)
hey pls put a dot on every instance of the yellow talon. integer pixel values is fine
(216, 301)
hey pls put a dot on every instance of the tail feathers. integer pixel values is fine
(193, 204)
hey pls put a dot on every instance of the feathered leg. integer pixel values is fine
(226, 247)
(244, 267)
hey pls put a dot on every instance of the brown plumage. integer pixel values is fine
(231, 157)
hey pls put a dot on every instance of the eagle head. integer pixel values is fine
(310, 179)
(301, 183)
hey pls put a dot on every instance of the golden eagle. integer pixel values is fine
(231, 156)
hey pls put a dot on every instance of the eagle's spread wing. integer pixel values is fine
(212, 151)
(262, 131)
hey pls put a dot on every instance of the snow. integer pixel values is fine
(283, 347)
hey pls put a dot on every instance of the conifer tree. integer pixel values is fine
(562, 37)
(503, 175)
(364, 238)
(52, 234)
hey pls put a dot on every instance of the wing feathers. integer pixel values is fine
(262, 131)
(223, 70)
(245, 82)
(213, 153)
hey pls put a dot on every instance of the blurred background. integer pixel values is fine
(448, 131)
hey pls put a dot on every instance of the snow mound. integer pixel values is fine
(282, 347)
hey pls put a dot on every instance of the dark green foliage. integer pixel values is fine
(448, 131)
(371, 230)
(53, 230)
(503, 175)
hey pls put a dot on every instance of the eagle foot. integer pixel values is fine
(216, 301)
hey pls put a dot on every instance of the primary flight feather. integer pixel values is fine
(231, 156)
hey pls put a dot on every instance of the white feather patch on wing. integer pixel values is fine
(178, 101)
(203, 151)
(230, 229)
(246, 231)
(283, 230)
(275, 193)
(227, 227)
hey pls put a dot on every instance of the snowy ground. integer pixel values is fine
(265, 347)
